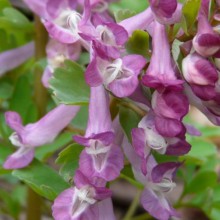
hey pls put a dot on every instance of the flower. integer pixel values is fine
(206, 42)
(11, 59)
(201, 74)
(84, 201)
(120, 76)
(157, 180)
(44, 131)
(160, 73)
(102, 156)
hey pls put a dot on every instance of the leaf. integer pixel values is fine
(122, 14)
(6, 90)
(210, 131)
(200, 152)
(68, 158)
(47, 150)
(138, 43)
(190, 11)
(21, 97)
(42, 179)
(176, 50)
(201, 181)
(128, 120)
(4, 4)
(69, 86)
(13, 19)
(137, 6)
(80, 121)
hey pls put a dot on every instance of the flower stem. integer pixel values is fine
(133, 206)
(34, 201)
(40, 93)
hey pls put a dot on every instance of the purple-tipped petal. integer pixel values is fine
(164, 170)
(21, 158)
(168, 127)
(198, 70)
(104, 51)
(206, 42)
(170, 104)
(177, 147)
(120, 34)
(105, 137)
(11, 59)
(163, 8)
(106, 163)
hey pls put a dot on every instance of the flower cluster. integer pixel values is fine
(74, 26)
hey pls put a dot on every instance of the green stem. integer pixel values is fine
(34, 205)
(40, 93)
(133, 207)
(34, 201)
(144, 216)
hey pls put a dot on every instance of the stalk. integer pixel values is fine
(34, 201)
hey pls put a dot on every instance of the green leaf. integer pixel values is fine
(6, 90)
(122, 14)
(137, 6)
(176, 51)
(80, 121)
(13, 19)
(138, 43)
(42, 179)
(190, 11)
(4, 4)
(21, 97)
(68, 158)
(47, 150)
(202, 181)
(69, 86)
(128, 120)
(210, 131)
(200, 152)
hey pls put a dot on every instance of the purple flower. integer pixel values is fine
(206, 42)
(146, 138)
(160, 73)
(57, 53)
(27, 137)
(169, 108)
(201, 74)
(163, 8)
(102, 157)
(166, 11)
(106, 37)
(11, 59)
(158, 182)
(157, 179)
(120, 76)
(84, 201)
(209, 108)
